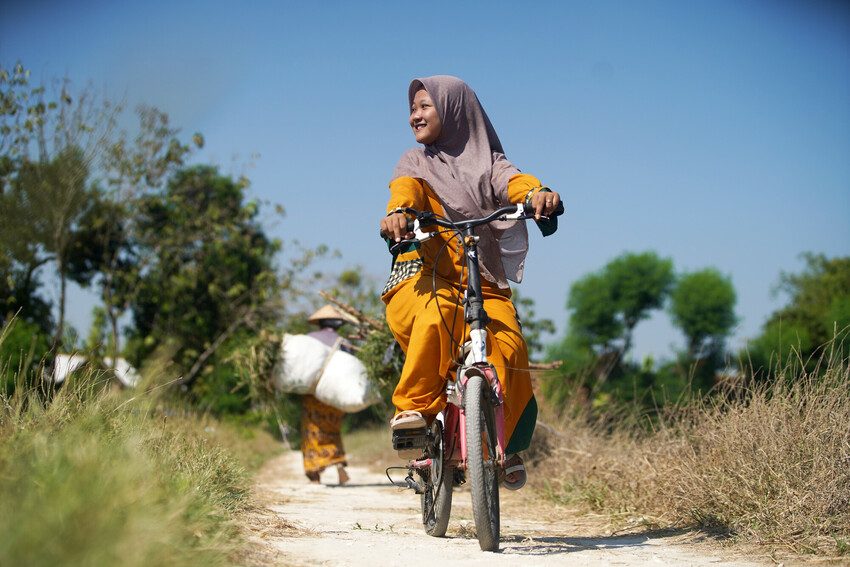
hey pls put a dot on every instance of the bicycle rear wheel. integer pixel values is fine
(481, 461)
(437, 497)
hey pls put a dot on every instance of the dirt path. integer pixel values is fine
(369, 522)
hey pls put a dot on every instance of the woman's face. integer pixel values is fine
(424, 118)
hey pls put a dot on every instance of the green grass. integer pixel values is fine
(96, 477)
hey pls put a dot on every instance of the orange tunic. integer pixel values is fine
(426, 318)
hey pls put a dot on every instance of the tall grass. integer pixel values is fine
(769, 463)
(96, 477)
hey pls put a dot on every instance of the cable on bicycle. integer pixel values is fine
(459, 235)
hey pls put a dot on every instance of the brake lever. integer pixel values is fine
(399, 245)
(523, 214)
(419, 236)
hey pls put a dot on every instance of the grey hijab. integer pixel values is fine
(467, 169)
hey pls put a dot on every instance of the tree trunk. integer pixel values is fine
(113, 317)
(199, 363)
(113, 322)
(60, 325)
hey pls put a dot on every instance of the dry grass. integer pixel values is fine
(769, 465)
(372, 448)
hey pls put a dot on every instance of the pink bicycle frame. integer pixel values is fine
(454, 419)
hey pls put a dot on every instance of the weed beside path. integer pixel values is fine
(769, 465)
(96, 478)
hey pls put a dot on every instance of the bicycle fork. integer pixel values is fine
(496, 398)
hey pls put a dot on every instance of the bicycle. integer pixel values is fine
(468, 436)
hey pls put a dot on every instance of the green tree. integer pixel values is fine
(533, 328)
(606, 306)
(105, 250)
(210, 271)
(818, 310)
(48, 143)
(23, 347)
(21, 112)
(54, 196)
(702, 305)
(640, 284)
(593, 312)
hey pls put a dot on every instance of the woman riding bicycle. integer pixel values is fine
(461, 172)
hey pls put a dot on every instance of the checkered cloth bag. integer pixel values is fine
(402, 271)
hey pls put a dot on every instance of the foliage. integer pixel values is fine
(593, 318)
(22, 111)
(23, 347)
(639, 284)
(383, 360)
(702, 305)
(49, 140)
(818, 310)
(607, 305)
(210, 268)
(533, 328)
(109, 238)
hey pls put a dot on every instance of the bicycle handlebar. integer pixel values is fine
(426, 218)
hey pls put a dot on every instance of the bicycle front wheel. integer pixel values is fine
(481, 461)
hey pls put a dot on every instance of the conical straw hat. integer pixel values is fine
(330, 312)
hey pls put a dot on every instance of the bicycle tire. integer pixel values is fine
(481, 463)
(437, 498)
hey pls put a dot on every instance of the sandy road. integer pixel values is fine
(369, 522)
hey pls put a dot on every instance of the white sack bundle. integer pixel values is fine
(345, 385)
(302, 358)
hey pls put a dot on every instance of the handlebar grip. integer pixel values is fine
(559, 210)
(410, 227)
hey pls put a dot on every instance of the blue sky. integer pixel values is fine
(715, 133)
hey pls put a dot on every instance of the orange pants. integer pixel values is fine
(428, 324)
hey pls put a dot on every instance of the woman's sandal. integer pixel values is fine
(518, 468)
(408, 419)
(404, 420)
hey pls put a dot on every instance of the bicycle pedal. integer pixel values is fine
(412, 484)
(406, 439)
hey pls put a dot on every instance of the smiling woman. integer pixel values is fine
(461, 172)
(424, 118)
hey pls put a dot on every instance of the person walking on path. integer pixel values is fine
(321, 439)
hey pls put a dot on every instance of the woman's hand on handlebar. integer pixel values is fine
(394, 226)
(544, 203)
